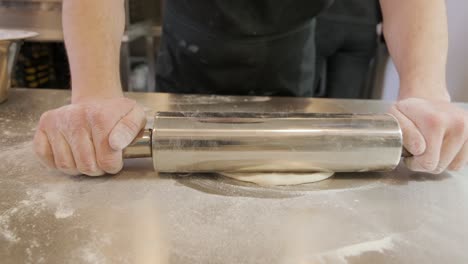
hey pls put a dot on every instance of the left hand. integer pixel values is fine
(435, 132)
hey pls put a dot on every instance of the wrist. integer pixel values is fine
(92, 94)
(89, 91)
(425, 89)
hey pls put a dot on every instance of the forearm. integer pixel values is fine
(416, 34)
(93, 32)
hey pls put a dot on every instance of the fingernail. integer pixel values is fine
(71, 172)
(414, 165)
(95, 173)
(416, 149)
(120, 139)
(439, 170)
(117, 169)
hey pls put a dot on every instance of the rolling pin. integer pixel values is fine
(269, 142)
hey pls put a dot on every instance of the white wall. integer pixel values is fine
(457, 68)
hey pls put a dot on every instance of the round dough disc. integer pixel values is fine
(279, 179)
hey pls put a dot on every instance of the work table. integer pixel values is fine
(139, 216)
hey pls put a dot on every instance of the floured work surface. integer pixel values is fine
(140, 217)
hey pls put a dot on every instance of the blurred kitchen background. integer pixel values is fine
(43, 64)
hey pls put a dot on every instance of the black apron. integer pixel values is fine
(242, 47)
(346, 43)
(366, 12)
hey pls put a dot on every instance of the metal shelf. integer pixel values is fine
(45, 18)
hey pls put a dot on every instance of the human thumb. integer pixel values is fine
(413, 140)
(127, 129)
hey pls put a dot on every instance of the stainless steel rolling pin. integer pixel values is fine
(269, 142)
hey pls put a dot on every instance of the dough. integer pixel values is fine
(279, 179)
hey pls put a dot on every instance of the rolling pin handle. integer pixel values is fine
(140, 147)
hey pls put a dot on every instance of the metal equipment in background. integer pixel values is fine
(42, 65)
(270, 142)
(10, 43)
(44, 17)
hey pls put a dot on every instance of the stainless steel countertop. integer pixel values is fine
(140, 217)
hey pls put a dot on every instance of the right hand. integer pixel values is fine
(88, 137)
